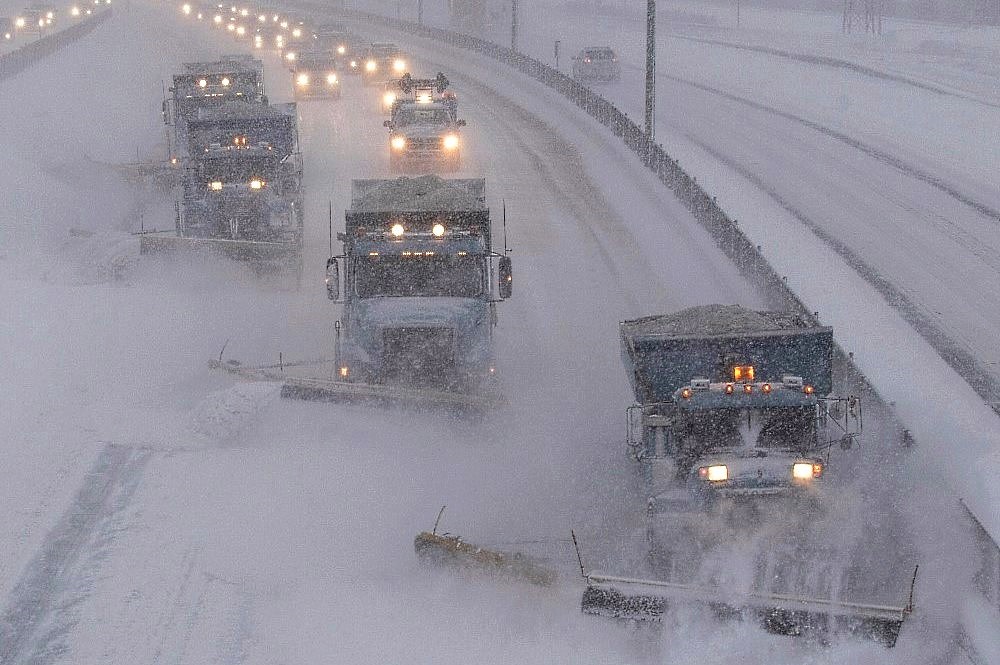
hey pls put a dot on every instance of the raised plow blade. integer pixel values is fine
(648, 600)
(447, 550)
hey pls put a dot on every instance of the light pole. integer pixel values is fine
(650, 64)
(513, 25)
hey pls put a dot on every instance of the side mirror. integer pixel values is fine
(460, 123)
(333, 279)
(387, 123)
(506, 277)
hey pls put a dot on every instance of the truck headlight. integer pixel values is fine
(371, 66)
(215, 185)
(302, 79)
(398, 142)
(715, 473)
(450, 141)
(397, 230)
(806, 470)
(331, 79)
(438, 230)
(399, 65)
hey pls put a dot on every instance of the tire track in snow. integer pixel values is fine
(984, 209)
(958, 357)
(837, 63)
(38, 601)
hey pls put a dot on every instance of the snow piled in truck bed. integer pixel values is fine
(427, 193)
(713, 320)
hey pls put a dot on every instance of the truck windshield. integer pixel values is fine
(437, 275)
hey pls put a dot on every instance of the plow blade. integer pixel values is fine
(330, 390)
(648, 600)
(252, 251)
(453, 551)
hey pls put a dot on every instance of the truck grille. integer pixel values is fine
(419, 356)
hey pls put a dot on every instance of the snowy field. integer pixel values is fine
(157, 512)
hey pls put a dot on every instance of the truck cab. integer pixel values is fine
(424, 133)
(420, 288)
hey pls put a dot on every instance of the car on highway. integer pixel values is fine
(596, 63)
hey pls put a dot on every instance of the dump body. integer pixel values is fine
(664, 353)
(418, 301)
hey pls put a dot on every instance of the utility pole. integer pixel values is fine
(650, 64)
(513, 25)
(557, 53)
(420, 12)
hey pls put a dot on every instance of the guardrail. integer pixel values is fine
(21, 58)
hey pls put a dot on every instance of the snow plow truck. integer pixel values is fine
(421, 282)
(733, 421)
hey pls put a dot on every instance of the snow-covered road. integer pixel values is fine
(159, 513)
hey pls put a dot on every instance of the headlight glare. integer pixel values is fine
(715, 473)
